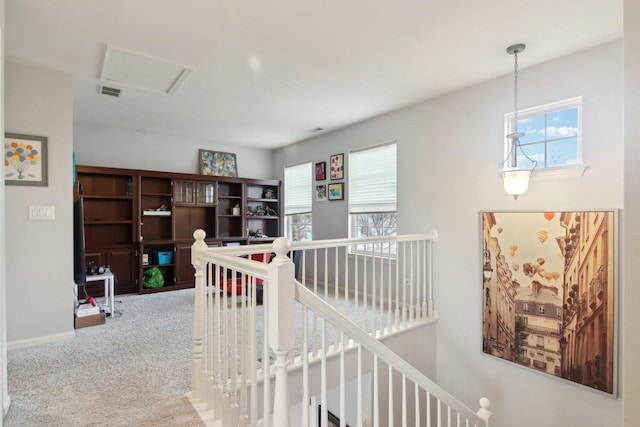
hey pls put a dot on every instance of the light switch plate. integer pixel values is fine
(39, 212)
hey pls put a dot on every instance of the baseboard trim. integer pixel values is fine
(32, 342)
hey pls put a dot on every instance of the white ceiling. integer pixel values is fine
(265, 73)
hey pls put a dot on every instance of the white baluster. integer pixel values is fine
(412, 281)
(390, 401)
(428, 415)
(416, 391)
(359, 381)
(404, 401)
(305, 367)
(484, 411)
(198, 326)
(404, 284)
(376, 400)
(343, 394)
(389, 290)
(281, 290)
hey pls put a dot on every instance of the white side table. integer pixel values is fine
(109, 297)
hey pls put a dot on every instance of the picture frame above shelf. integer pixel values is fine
(218, 163)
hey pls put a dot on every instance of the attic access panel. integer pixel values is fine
(123, 67)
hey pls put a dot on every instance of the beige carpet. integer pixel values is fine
(133, 371)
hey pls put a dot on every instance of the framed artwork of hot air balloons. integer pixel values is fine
(549, 293)
(25, 160)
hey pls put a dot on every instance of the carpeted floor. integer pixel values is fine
(133, 371)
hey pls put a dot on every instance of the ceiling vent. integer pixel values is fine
(110, 91)
(140, 71)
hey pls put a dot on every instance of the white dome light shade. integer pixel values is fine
(516, 180)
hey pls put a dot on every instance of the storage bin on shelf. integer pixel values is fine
(163, 257)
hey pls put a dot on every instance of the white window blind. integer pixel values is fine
(298, 190)
(373, 179)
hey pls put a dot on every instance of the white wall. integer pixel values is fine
(448, 154)
(631, 243)
(122, 148)
(39, 257)
(5, 400)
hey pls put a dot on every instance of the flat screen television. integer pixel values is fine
(79, 260)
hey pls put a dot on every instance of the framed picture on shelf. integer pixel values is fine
(336, 191)
(550, 277)
(336, 165)
(217, 163)
(25, 160)
(321, 171)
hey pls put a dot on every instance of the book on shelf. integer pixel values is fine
(156, 213)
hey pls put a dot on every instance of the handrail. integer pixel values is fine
(391, 298)
(331, 243)
(316, 304)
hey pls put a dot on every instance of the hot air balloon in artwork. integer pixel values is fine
(500, 229)
(540, 261)
(542, 236)
(513, 249)
(528, 269)
(516, 267)
(549, 215)
(555, 275)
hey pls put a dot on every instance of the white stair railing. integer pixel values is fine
(244, 350)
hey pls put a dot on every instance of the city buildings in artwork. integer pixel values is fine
(549, 304)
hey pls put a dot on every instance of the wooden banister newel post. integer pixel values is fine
(281, 312)
(198, 321)
(484, 411)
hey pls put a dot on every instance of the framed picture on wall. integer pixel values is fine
(549, 298)
(336, 191)
(321, 193)
(217, 163)
(336, 165)
(321, 171)
(25, 159)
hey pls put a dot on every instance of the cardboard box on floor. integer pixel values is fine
(90, 320)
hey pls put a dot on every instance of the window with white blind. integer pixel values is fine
(372, 194)
(298, 193)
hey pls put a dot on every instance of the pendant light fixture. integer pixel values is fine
(515, 177)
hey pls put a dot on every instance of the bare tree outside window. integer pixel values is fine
(375, 224)
(299, 227)
(372, 198)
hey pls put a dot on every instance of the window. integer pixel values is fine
(372, 194)
(552, 135)
(525, 307)
(297, 202)
(541, 309)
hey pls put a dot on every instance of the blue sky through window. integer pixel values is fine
(550, 138)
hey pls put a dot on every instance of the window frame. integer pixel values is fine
(288, 217)
(550, 172)
(388, 250)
